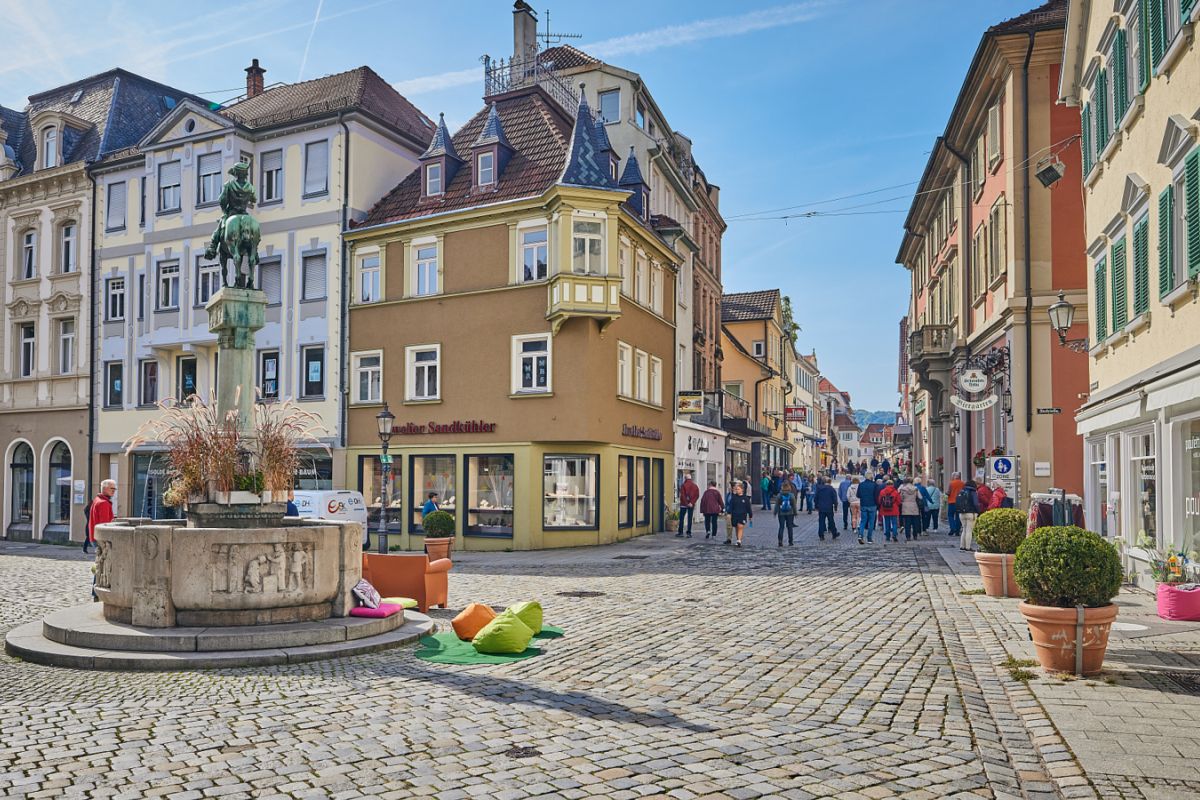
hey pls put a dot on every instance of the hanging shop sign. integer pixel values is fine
(973, 380)
(796, 414)
(458, 426)
(689, 402)
(974, 405)
(638, 432)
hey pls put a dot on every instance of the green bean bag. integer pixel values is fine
(505, 634)
(530, 613)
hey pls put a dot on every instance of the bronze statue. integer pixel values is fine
(237, 233)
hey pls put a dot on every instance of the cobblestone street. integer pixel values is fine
(827, 669)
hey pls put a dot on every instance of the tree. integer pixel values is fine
(791, 329)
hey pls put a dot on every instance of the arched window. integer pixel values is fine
(49, 147)
(58, 500)
(21, 468)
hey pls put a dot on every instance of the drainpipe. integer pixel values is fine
(1028, 267)
(347, 270)
(965, 301)
(93, 350)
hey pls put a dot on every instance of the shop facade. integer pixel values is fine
(44, 478)
(700, 453)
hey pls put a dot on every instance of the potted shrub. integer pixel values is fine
(1069, 577)
(439, 523)
(998, 533)
(672, 521)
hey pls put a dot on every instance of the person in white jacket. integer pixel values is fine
(855, 506)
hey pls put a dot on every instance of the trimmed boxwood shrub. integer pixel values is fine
(1066, 566)
(1001, 530)
(439, 523)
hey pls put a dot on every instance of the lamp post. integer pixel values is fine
(1062, 315)
(384, 420)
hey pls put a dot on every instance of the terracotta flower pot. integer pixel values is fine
(1054, 635)
(996, 569)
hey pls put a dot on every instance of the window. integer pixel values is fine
(271, 183)
(1120, 292)
(489, 492)
(208, 280)
(114, 213)
(168, 286)
(58, 500)
(641, 376)
(433, 179)
(66, 248)
(531, 363)
(610, 105)
(656, 381)
(313, 287)
(423, 363)
(141, 206)
(993, 136)
(141, 297)
(368, 377)
(656, 288)
(642, 288)
(49, 148)
(29, 255)
(270, 281)
(114, 379)
(316, 168)
(760, 348)
(587, 252)
(1100, 286)
(533, 255)
(370, 483)
(997, 241)
(642, 491)
(624, 370)
(312, 375)
(208, 182)
(21, 481)
(569, 492)
(427, 271)
(185, 378)
(1135, 66)
(487, 168)
(66, 346)
(640, 119)
(169, 177)
(268, 374)
(624, 491)
(430, 474)
(28, 350)
(733, 389)
(978, 159)
(148, 373)
(625, 265)
(368, 279)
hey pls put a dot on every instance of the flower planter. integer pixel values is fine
(1178, 604)
(672, 525)
(1055, 632)
(996, 569)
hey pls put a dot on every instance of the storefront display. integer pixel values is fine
(569, 491)
(642, 496)
(624, 492)
(21, 481)
(489, 493)
(1145, 484)
(370, 483)
(1191, 485)
(150, 479)
(58, 505)
(315, 471)
(431, 474)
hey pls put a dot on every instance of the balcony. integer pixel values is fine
(500, 76)
(929, 351)
(736, 417)
(594, 296)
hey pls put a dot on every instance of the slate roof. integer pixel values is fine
(492, 131)
(587, 163)
(356, 89)
(564, 56)
(743, 306)
(538, 133)
(632, 174)
(442, 143)
(1049, 14)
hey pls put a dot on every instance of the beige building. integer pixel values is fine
(321, 153)
(46, 226)
(1134, 71)
(802, 413)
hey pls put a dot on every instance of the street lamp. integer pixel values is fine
(1062, 315)
(384, 420)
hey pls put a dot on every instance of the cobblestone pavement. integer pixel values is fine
(826, 669)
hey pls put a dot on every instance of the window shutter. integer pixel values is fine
(316, 168)
(1120, 82)
(1166, 241)
(116, 206)
(314, 276)
(170, 174)
(1157, 34)
(1185, 8)
(209, 163)
(1102, 110)
(993, 134)
(1101, 302)
(272, 161)
(1191, 183)
(1141, 267)
(270, 281)
(1120, 289)
(1085, 122)
(1144, 48)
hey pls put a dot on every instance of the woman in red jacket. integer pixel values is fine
(998, 496)
(712, 506)
(889, 511)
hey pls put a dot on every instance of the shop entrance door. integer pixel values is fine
(658, 523)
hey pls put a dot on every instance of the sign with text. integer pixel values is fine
(796, 414)
(1053, 410)
(974, 405)
(689, 402)
(973, 380)
(638, 432)
(1006, 470)
(458, 426)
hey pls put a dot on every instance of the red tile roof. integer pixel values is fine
(844, 421)
(564, 56)
(743, 306)
(1050, 14)
(826, 387)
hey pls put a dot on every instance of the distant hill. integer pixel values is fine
(865, 418)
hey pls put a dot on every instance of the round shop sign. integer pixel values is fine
(973, 380)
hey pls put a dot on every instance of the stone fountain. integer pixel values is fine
(238, 584)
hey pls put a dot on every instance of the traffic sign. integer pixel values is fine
(1006, 470)
(385, 460)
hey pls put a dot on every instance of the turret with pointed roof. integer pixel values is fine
(587, 162)
(607, 148)
(632, 180)
(439, 162)
(490, 152)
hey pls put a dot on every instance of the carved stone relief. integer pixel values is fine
(261, 568)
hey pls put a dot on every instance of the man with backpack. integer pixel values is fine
(764, 486)
(889, 511)
(967, 506)
(785, 510)
(868, 490)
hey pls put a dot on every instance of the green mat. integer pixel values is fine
(549, 632)
(447, 648)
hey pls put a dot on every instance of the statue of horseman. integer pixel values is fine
(237, 234)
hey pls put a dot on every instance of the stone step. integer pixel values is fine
(29, 643)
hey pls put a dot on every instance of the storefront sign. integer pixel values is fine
(973, 380)
(796, 414)
(1054, 410)
(919, 406)
(689, 402)
(974, 405)
(638, 432)
(458, 426)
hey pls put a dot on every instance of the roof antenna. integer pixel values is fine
(549, 38)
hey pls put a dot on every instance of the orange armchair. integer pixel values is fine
(409, 575)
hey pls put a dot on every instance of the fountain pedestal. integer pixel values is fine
(235, 315)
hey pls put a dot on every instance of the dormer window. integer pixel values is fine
(433, 179)
(487, 168)
(49, 148)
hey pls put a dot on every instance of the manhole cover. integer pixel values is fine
(522, 752)
(1179, 682)
(580, 594)
(630, 557)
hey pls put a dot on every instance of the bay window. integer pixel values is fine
(587, 248)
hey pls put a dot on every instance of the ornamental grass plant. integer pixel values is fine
(1001, 530)
(1066, 566)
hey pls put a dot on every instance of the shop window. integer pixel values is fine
(1191, 484)
(489, 492)
(314, 472)
(21, 481)
(151, 476)
(370, 483)
(1144, 468)
(268, 374)
(58, 501)
(1098, 469)
(642, 491)
(624, 491)
(426, 475)
(569, 489)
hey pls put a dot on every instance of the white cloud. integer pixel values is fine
(435, 83)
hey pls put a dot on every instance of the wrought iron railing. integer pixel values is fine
(500, 76)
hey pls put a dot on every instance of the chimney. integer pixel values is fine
(524, 31)
(254, 79)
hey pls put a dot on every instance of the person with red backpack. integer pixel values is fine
(889, 511)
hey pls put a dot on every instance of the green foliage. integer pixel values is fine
(791, 328)
(439, 523)
(1067, 566)
(1001, 530)
(252, 482)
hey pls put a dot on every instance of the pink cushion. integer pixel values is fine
(384, 610)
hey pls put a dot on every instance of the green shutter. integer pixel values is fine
(1102, 103)
(1120, 82)
(1120, 289)
(1101, 302)
(1141, 267)
(1158, 45)
(1191, 190)
(1144, 50)
(1085, 123)
(1166, 242)
(1185, 8)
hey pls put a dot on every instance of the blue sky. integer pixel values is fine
(787, 104)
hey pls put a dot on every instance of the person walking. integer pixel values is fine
(967, 505)
(855, 507)
(923, 501)
(889, 511)
(689, 493)
(844, 499)
(809, 491)
(764, 486)
(100, 511)
(886, 466)
(910, 509)
(934, 509)
(868, 493)
(984, 501)
(712, 505)
(785, 511)
(956, 484)
(741, 511)
(826, 500)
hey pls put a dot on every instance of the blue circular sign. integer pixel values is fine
(1003, 466)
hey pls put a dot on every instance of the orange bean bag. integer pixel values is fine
(471, 620)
